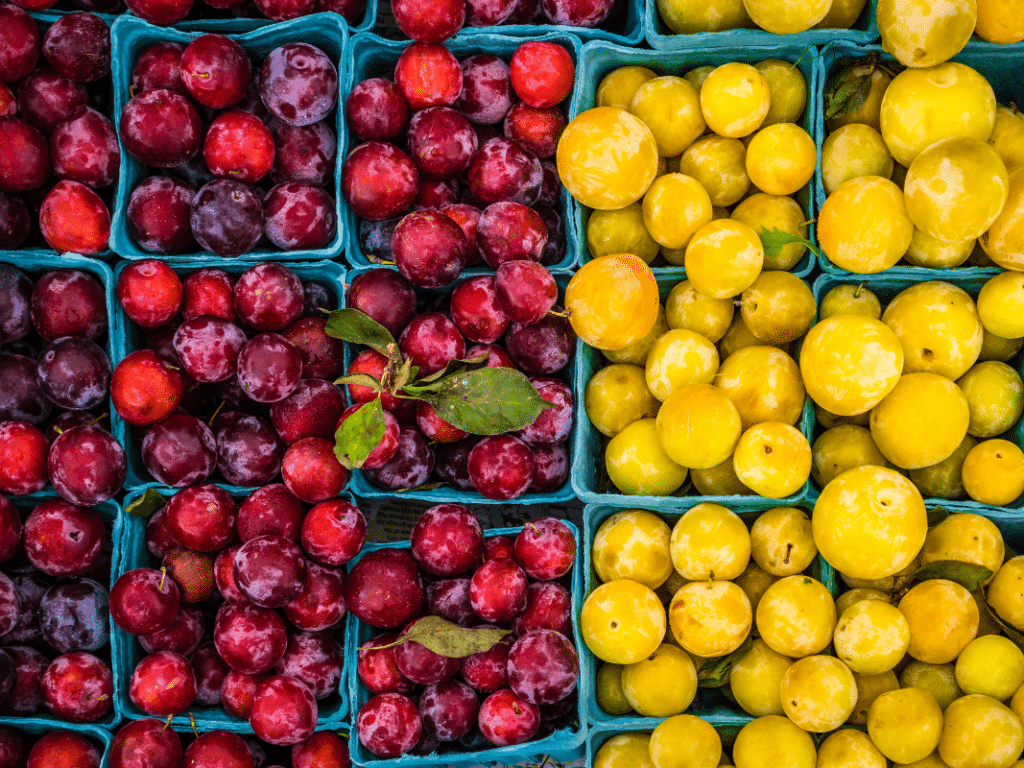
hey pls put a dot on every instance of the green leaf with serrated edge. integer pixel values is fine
(359, 434)
(449, 640)
(715, 673)
(970, 576)
(774, 240)
(455, 366)
(148, 503)
(487, 401)
(1010, 631)
(360, 379)
(849, 97)
(359, 328)
(936, 515)
(405, 375)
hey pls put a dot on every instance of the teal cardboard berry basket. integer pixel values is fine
(372, 56)
(564, 744)
(661, 37)
(601, 58)
(126, 651)
(36, 263)
(624, 25)
(131, 36)
(589, 478)
(111, 515)
(363, 488)
(999, 64)
(129, 337)
(886, 287)
(709, 703)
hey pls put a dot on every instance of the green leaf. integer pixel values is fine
(405, 375)
(967, 575)
(146, 504)
(449, 640)
(361, 379)
(715, 672)
(774, 240)
(359, 434)
(486, 401)
(936, 515)
(848, 97)
(359, 328)
(454, 366)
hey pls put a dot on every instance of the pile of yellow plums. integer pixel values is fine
(675, 166)
(913, 652)
(703, 387)
(923, 386)
(782, 17)
(926, 167)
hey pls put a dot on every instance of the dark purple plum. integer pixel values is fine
(526, 290)
(15, 299)
(312, 410)
(510, 231)
(298, 83)
(15, 221)
(409, 467)
(453, 462)
(84, 149)
(31, 587)
(21, 397)
(227, 217)
(501, 467)
(553, 425)
(545, 347)
(179, 451)
(316, 659)
(22, 42)
(550, 468)
(46, 99)
(502, 170)
(74, 615)
(268, 297)
(375, 238)
(322, 355)
(78, 46)
(74, 373)
(183, 635)
(270, 571)
(249, 452)
(449, 599)
(449, 709)
(269, 368)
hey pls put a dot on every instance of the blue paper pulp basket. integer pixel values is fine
(110, 513)
(726, 725)
(363, 488)
(589, 478)
(662, 38)
(886, 286)
(710, 703)
(1000, 64)
(128, 337)
(131, 36)
(372, 56)
(625, 25)
(36, 263)
(600, 58)
(126, 652)
(563, 745)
